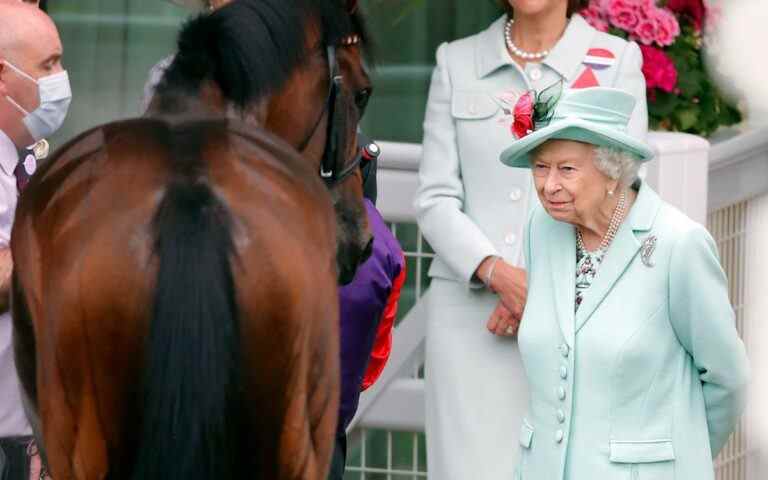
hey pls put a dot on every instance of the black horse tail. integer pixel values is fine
(190, 425)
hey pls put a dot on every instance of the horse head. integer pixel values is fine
(296, 69)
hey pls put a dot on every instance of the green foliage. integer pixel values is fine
(696, 106)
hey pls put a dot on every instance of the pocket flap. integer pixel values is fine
(526, 434)
(644, 451)
(468, 105)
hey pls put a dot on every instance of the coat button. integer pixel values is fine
(559, 435)
(516, 194)
(563, 372)
(510, 239)
(560, 416)
(535, 73)
(565, 350)
(561, 393)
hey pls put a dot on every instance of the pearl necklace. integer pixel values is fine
(616, 218)
(516, 50)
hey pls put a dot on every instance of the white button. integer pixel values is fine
(563, 372)
(510, 239)
(564, 350)
(561, 393)
(559, 435)
(560, 416)
(515, 194)
(535, 73)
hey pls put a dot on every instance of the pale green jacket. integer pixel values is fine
(647, 380)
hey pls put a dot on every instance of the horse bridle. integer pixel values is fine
(332, 168)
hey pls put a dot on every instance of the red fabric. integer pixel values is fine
(586, 80)
(382, 347)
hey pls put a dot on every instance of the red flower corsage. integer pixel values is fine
(532, 110)
(523, 116)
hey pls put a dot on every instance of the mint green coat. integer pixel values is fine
(647, 380)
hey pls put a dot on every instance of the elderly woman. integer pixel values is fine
(472, 211)
(635, 368)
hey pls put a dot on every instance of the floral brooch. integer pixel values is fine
(534, 110)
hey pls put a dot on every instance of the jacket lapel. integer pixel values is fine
(562, 257)
(624, 249)
(569, 52)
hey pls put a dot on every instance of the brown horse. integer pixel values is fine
(174, 298)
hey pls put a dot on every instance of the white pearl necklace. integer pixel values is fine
(516, 50)
(616, 218)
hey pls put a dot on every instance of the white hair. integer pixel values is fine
(617, 164)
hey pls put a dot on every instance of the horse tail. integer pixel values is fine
(191, 405)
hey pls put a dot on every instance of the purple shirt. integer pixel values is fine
(362, 305)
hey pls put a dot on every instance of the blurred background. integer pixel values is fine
(720, 94)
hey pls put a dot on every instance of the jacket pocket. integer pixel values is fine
(645, 451)
(648, 459)
(469, 105)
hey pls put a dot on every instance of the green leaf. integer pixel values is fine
(664, 104)
(687, 117)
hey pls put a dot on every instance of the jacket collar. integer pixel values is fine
(565, 58)
(625, 247)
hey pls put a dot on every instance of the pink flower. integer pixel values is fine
(667, 28)
(659, 70)
(523, 124)
(623, 14)
(594, 17)
(645, 32)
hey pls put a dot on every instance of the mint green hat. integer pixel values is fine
(595, 115)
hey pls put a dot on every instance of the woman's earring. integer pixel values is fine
(610, 192)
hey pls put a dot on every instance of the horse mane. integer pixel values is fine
(250, 47)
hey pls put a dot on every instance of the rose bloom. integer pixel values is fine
(667, 28)
(658, 69)
(523, 116)
(623, 14)
(645, 32)
(594, 17)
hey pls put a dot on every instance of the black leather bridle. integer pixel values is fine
(332, 166)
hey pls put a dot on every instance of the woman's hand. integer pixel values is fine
(509, 282)
(502, 322)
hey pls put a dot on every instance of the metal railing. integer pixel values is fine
(386, 438)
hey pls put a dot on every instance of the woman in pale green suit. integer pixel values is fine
(635, 368)
(473, 210)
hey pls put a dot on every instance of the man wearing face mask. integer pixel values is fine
(34, 99)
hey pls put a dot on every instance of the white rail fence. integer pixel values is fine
(725, 186)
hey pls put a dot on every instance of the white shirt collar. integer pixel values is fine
(9, 154)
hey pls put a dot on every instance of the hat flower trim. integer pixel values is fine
(534, 110)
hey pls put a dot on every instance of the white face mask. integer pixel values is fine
(55, 97)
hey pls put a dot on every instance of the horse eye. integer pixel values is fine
(361, 99)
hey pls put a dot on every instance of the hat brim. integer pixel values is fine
(518, 154)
